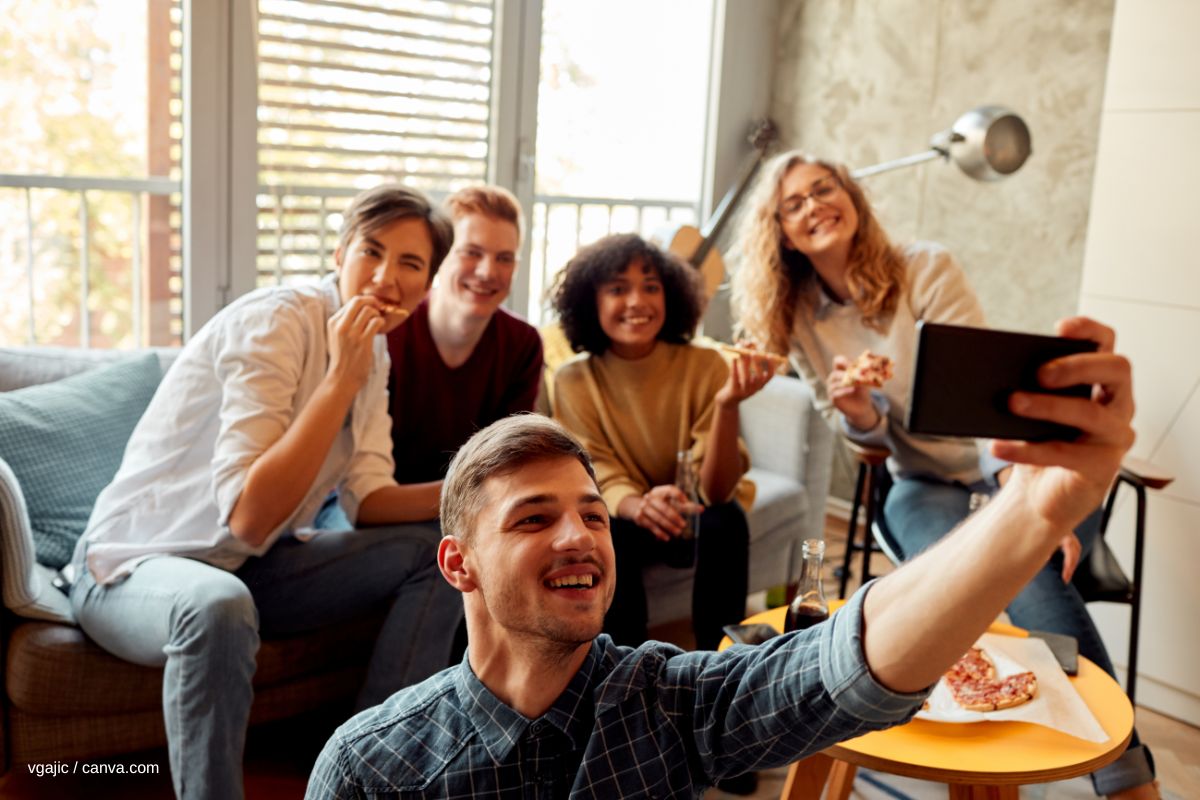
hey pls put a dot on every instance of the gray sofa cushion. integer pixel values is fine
(64, 441)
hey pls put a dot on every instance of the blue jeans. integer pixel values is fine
(202, 624)
(919, 512)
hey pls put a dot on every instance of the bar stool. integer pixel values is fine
(868, 493)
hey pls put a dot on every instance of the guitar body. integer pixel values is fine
(685, 241)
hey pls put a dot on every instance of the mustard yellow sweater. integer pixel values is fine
(634, 415)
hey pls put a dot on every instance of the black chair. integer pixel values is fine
(1099, 578)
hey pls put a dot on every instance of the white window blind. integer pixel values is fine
(353, 94)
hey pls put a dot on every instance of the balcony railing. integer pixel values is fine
(62, 244)
(561, 224)
(296, 237)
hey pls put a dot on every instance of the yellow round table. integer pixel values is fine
(978, 760)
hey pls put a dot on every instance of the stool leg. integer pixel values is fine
(852, 529)
(868, 535)
(1135, 605)
(841, 781)
(806, 778)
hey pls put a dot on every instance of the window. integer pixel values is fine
(351, 94)
(622, 105)
(90, 139)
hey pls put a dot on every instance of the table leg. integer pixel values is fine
(806, 778)
(841, 780)
(960, 791)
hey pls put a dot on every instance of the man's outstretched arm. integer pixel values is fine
(922, 617)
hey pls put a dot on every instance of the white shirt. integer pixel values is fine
(232, 392)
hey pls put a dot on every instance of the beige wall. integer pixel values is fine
(1142, 275)
(864, 82)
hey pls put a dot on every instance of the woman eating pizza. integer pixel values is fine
(820, 282)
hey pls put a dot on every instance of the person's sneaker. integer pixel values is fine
(744, 784)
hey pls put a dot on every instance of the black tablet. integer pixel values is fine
(963, 377)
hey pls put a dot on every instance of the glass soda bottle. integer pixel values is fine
(809, 606)
(688, 482)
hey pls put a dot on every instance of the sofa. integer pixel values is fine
(65, 698)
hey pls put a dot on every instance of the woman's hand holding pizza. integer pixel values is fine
(748, 374)
(851, 397)
(1061, 481)
(351, 332)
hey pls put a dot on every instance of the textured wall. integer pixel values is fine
(865, 82)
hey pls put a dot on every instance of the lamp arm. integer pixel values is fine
(907, 161)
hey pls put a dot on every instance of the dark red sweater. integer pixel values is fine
(435, 409)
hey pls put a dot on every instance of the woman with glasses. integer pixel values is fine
(820, 282)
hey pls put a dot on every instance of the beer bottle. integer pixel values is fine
(809, 606)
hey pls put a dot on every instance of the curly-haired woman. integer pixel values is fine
(819, 281)
(640, 394)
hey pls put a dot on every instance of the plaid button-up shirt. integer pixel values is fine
(651, 721)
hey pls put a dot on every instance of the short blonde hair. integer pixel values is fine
(491, 201)
(771, 280)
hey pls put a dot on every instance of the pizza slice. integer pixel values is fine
(393, 310)
(974, 686)
(869, 369)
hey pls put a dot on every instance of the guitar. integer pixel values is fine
(697, 245)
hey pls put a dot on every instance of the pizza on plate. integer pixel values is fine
(974, 686)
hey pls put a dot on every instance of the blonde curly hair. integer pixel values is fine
(772, 280)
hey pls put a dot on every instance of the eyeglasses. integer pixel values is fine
(822, 191)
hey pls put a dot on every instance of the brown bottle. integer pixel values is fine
(809, 606)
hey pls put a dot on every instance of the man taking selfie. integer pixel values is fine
(544, 703)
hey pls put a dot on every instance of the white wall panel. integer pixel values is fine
(1141, 240)
(1162, 381)
(1152, 55)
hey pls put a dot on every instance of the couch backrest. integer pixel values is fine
(29, 366)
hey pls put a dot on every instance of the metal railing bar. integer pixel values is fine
(321, 241)
(287, 127)
(346, 26)
(367, 112)
(407, 173)
(150, 185)
(307, 191)
(136, 277)
(278, 240)
(408, 14)
(85, 316)
(578, 223)
(29, 261)
(300, 41)
(333, 65)
(568, 199)
(342, 89)
(349, 151)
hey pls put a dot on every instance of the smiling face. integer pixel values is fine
(816, 213)
(477, 274)
(391, 263)
(631, 309)
(540, 554)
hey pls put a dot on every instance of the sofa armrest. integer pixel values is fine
(787, 435)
